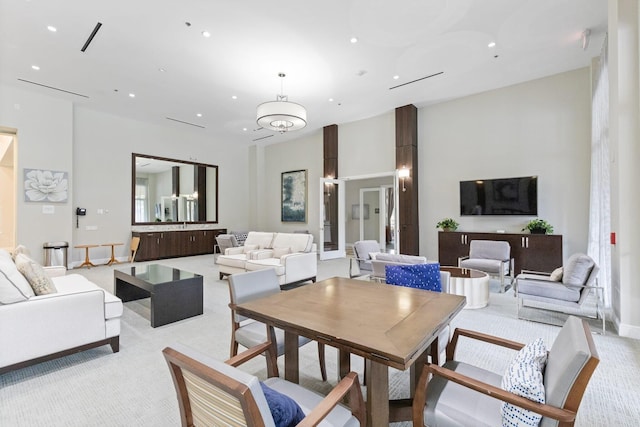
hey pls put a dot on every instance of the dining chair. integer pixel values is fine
(215, 393)
(540, 387)
(244, 287)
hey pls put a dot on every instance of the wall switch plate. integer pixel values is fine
(100, 211)
(91, 227)
(48, 209)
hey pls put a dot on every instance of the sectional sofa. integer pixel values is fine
(69, 315)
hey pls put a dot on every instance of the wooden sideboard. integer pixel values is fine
(538, 252)
(178, 243)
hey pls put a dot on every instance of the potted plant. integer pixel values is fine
(538, 226)
(448, 224)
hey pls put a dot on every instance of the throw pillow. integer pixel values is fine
(20, 249)
(421, 276)
(577, 270)
(35, 275)
(524, 378)
(13, 285)
(278, 252)
(556, 275)
(284, 410)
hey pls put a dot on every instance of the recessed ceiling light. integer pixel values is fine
(206, 33)
(354, 40)
(234, 97)
(132, 95)
(330, 99)
(35, 67)
(199, 114)
(492, 44)
(162, 70)
(396, 77)
(52, 28)
(244, 129)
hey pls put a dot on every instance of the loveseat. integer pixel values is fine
(70, 313)
(291, 255)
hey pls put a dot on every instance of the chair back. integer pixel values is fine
(251, 285)
(212, 393)
(362, 249)
(489, 249)
(591, 281)
(421, 276)
(226, 241)
(571, 362)
(133, 248)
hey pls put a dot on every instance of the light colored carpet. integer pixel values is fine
(133, 387)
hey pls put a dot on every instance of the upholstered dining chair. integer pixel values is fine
(492, 257)
(461, 394)
(252, 285)
(565, 288)
(428, 277)
(215, 393)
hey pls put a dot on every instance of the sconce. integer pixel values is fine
(403, 174)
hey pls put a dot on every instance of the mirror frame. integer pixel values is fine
(166, 159)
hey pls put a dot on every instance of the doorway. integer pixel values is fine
(7, 190)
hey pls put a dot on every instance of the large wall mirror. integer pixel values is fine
(172, 191)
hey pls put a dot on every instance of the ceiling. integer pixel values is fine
(155, 49)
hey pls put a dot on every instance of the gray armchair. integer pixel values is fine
(461, 394)
(567, 287)
(226, 241)
(492, 257)
(362, 259)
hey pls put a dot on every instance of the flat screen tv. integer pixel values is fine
(505, 196)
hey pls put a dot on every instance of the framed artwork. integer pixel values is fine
(46, 186)
(293, 187)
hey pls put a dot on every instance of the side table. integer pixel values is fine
(87, 261)
(472, 284)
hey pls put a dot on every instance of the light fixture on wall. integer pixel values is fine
(403, 174)
(281, 115)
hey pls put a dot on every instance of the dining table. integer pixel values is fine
(390, 326)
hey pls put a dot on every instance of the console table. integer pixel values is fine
(537, 252)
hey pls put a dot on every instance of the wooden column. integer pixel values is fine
(407, 156)
(330, 150)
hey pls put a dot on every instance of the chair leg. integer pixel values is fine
(321, 359)
(234, 347)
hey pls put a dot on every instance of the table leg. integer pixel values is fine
(87, 261)
(291, 364)
(113, 259)
(377, 394)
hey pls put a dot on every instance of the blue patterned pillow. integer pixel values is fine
(284, 410)
(421, 276)
(524, 378)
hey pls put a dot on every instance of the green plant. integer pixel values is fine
(539, 226)
(448, 224)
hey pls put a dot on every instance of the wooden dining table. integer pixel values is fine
(390, 326)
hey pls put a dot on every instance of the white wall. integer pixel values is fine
(367, 146)
(103, 145)
(44, 135)
(304, 153)
(95, 148)
(541, 128)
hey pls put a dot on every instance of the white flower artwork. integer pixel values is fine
(45, 186)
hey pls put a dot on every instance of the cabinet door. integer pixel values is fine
(539, 252)
(149, 248)
(451, 246)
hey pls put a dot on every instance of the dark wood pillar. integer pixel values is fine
(407, 156)
(330, 150)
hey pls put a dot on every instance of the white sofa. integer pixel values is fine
(291, 255)
(35, 328)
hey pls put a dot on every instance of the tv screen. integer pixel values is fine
(507, 196)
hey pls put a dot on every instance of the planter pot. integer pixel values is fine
(538, 231)
(448, 229)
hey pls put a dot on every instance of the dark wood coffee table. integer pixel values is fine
(175, 294)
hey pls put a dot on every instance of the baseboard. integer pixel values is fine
(626, 330)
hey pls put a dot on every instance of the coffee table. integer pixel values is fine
(473, 284)
(175, 294)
